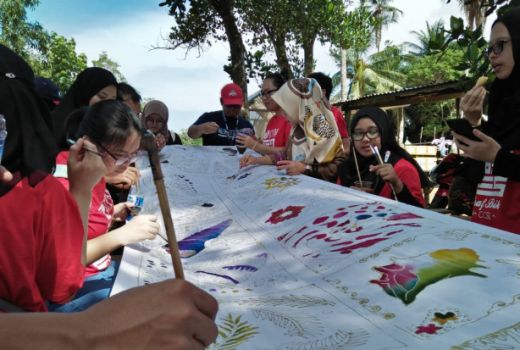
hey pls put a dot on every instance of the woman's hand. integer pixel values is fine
(292, 167)
(124, 180)
(247, 160)
(121, 211)
(388, 174)
(138, 229)
(160, 141)
(85, 168)
(246, 140)
(5, 175)
(485, 150)
(472, 104)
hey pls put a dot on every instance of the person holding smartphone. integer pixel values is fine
(498, 193)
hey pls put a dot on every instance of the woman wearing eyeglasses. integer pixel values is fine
(155, 119)
(497, 200)
(115, 130)
(400, 177)
(278, 128)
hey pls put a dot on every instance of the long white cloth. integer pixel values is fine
(299, 263)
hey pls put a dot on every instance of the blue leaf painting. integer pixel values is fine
(195, 243)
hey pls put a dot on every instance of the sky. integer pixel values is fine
(188, 83)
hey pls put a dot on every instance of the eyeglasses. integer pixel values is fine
(498, 47)
(268, 92)
(122, 159)
(371, 133)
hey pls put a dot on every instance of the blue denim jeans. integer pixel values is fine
(95, 289)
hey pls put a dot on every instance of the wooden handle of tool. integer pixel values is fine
(148, 144)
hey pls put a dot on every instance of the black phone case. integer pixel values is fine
(462, 127)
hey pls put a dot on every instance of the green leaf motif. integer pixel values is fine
(233, 332)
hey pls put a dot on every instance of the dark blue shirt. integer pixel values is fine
(231, 124)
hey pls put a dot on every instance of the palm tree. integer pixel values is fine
(367, 81)
(384, 14)
(431, 41)
(380, 74)
(352, 35)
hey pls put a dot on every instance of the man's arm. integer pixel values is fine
(172, 314)
(196, 131)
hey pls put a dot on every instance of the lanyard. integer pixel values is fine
(225, 122)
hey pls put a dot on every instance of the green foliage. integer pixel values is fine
(431, 41)
(383, 14)
(106, 62)
(353, 30)
(285, 28)
(232, 333)
(186, 140)
(50, 55)
(61, 64)
(434, 68)
(16, 32)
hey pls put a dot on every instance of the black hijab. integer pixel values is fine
(30, 146)
(88, 83)
(348, 173)
(504, 98)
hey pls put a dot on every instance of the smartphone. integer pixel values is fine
(462, 127)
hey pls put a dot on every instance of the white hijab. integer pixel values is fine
(314, 135)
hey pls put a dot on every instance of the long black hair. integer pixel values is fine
(105, 122)
(347, 172)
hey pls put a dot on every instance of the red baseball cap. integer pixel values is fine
(231, 94)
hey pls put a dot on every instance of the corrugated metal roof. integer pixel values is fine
(462, 82)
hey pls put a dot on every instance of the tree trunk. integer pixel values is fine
(278, 41)
(379, 32)
(308, 56)
(236, 69)
(344, 92)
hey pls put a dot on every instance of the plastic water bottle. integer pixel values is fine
(137, 201)
(3, 135)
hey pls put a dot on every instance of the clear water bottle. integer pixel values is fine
(137, 201)
(3, 135)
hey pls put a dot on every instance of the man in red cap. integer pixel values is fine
(220, 128)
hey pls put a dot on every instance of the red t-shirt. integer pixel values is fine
(277, 132)
(496, 202)
(99, 215)
(40, 245)
(340, 121)
(409, 177)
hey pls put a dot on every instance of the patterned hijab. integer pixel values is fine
(159, 108)
(314, 136)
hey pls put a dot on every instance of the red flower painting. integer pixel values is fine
(280, 215)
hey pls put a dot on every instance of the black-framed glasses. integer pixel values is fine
(265, 93)
(120, 160)
(497, 47)
(371, 133)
